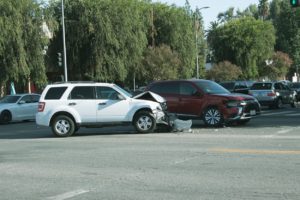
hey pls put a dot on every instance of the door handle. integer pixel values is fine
(101, 104)
(72, 104)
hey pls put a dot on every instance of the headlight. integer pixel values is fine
(234, 103)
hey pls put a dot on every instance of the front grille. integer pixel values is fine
(251, 105)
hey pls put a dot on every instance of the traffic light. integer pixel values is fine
(59, 59)
(295, 3)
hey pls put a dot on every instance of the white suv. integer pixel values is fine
(67, 106)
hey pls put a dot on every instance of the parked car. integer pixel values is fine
(296, 87)
(66, 107)
(18, 107)
(273, 94)
(206, 100)
(237, 86)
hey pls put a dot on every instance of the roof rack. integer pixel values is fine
(60, 82)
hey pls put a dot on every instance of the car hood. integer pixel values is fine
(150, 96)
(238, 96)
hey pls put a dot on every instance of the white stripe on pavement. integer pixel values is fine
(68, 195)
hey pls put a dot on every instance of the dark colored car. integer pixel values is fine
(237, 86)
(296, 87)
(273, 94)
(206, 100)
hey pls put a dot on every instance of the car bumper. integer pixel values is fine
(250, 110)
(41, 119)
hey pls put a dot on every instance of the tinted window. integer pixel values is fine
(166, 88)
(35, 98)
(228, 86)
(261, 86)
(26, 99)
(210, 87)
(187, 89)
(295, 85)
(106, 93)
(10, 99)
(55, 93)
(278, 86)
(82, 92)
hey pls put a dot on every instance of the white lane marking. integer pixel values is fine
(277, 113)
(68, 195)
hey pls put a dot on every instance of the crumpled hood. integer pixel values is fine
(150, 96)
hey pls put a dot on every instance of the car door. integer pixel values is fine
(25, 108)
(82, 100)
(111, 105)
(189, 100)
(283, 93)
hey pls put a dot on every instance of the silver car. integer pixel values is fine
(273, 94)
(18, 107)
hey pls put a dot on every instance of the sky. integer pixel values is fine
(215, 7)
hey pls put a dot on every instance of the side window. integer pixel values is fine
(82, 92)
(35, 98)
(106, 93)
(187, 89)
(166, 88)
(26, 99)
(55, 93)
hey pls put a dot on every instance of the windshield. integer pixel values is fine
(10, 99)
(210, 87)
(123, 91)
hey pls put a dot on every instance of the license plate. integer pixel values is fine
(252, 112)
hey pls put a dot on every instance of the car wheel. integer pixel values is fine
(293, 103)
(63, 126)
(212, 117)
(5, 117)
(144, 122)
(279, 103)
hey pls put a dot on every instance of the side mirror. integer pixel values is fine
(21, 102)
(120, 97)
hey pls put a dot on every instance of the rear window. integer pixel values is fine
(55, 93)
(261, 86)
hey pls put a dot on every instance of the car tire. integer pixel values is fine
(293, 103)
(212, 117)
(5, 117)
(63, 126)
(144, 122)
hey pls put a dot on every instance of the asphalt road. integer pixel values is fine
(260, 160)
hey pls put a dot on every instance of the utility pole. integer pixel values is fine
(64, 40)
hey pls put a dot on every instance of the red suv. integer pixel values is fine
(207, 100)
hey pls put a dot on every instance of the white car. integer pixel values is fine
(66, 107)
(18, 107)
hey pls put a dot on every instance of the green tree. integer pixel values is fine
(243, 42)
(160, 63)
(22, 42)
(224, 71)
(277, 67)
(263, 9)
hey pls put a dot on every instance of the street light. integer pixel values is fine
(64, 40)
(196, 33)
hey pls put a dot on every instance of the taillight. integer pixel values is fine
(271, 94)
(41, 106)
